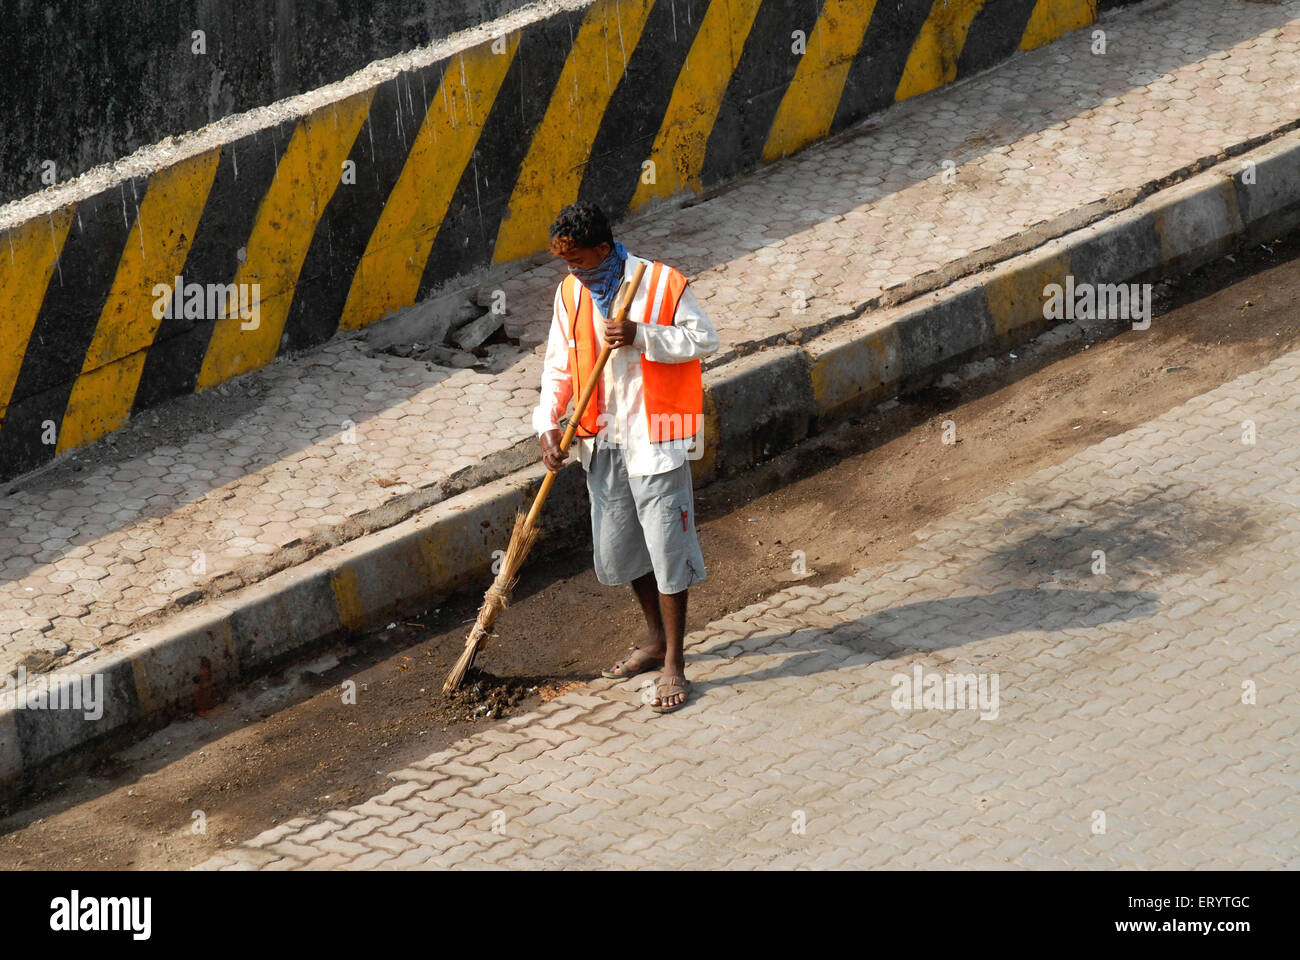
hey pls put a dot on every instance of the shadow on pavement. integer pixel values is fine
(929, 626)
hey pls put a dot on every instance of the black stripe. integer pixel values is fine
(379, 153)
(994, 35)
(244, 174)
(757, 86)
(636, 110)
(65, 324)
(468, 233)
(878, 68)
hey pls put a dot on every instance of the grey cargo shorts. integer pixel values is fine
(639, 524)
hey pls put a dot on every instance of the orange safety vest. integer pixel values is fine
(673, 392)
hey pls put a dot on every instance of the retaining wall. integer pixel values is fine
(88, 83)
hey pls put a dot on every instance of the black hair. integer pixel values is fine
(584, 223)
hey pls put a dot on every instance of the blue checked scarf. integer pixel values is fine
(603, 279)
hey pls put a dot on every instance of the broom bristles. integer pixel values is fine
(495, 599)
(521, 541)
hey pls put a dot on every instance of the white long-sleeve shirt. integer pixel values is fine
(620, 395)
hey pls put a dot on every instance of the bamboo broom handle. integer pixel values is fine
(581, 406)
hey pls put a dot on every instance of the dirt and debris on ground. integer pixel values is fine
(484, 696)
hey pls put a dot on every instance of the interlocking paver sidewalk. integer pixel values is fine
(1141, 627)
(268, 471)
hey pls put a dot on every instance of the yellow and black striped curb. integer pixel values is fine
(365, 205)
(755, 407)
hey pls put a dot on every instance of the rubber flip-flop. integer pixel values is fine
(668, 686)
(653, 663)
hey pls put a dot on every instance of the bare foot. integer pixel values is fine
(638, 661)
(670, 691)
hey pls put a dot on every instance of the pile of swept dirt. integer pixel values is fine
(485, 696)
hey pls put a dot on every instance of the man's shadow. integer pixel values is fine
(926, 626)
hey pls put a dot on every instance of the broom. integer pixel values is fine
(525, 530)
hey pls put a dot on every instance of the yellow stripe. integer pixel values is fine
(388, 277)
(155, 253)
(347, 599)
(28, 254)
(1051, 18)
(1015, 298)
(809, 104)
(678, 151)
(305, 180)
(552, 170)
(933, 60)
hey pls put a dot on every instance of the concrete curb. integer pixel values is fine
(756, 406)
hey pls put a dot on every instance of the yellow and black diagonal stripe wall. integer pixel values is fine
(456, 164)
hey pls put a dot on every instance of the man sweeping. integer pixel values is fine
(636, 437)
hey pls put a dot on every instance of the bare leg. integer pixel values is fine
(644, 656)
(672, 610)
(647, 594)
